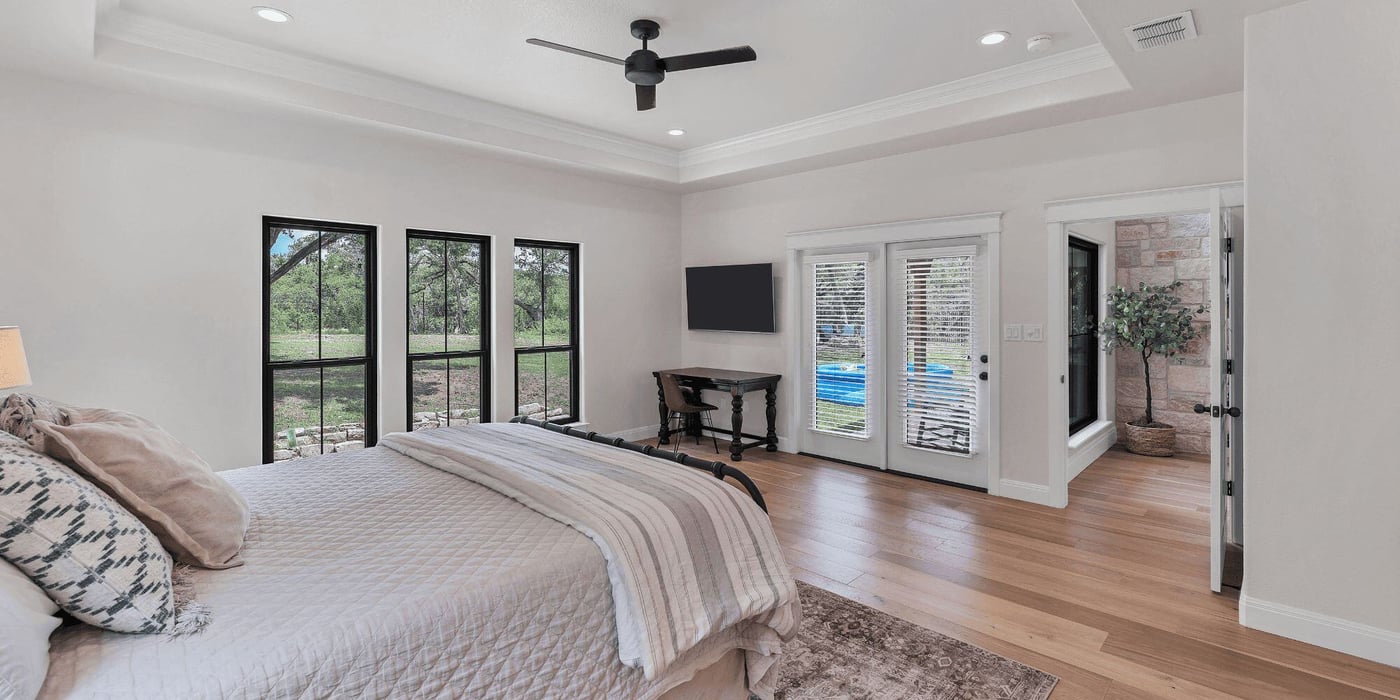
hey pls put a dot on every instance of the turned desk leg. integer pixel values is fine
(770, 396)
(736, 446)
(663, 436)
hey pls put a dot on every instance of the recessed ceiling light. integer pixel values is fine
(994, 38)
(272, 14)
(677, 132)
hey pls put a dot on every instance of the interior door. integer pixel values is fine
(841, 371)
(936, 379)
(1232, 389)
(1226, 338)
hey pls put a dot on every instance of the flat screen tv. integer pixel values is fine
(730, 298)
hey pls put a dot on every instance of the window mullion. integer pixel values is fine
(444, 298)
(320, 295)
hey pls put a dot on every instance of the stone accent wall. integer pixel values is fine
(1161, 251)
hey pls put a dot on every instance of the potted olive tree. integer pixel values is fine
(1150, 321)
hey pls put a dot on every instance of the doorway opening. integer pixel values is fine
(1185, 244)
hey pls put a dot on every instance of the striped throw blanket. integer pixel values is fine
(687, 555)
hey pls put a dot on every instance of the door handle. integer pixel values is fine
(1215, 411)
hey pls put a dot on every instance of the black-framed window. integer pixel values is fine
(318, 337)
(449, 329)
(1083, 335)
(546, 330)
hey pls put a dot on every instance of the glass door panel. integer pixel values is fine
(1083, 336)
(937, 383)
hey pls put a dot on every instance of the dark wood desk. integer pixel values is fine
(737, 384)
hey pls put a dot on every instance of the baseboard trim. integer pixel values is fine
(636, 434)
(646, 432)
(1337, 634)
(1090, 449)
(1026, 491)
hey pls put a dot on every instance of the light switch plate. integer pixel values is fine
(1011, 331)
(1032, 332)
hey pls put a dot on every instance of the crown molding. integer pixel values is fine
(159, 35)
(143, 43)
(1066, 64)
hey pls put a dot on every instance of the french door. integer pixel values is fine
(840, 364)
(895, 362)
(938, 363)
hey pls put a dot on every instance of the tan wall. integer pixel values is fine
(1161, 251)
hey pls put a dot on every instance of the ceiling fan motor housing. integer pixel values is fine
(643, 67)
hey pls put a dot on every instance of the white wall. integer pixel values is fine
(129, 252)
(1190, 143)
(1321, 370)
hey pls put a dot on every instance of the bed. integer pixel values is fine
(373, 574)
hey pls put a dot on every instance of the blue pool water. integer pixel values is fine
(845, 384)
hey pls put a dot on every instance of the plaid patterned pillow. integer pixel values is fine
(92, 557)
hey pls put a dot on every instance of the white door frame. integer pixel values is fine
(1059, 215)
(1095, 439)
(985, 225)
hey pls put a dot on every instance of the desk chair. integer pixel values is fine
(682, 406)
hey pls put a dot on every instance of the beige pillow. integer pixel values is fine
(197, 515)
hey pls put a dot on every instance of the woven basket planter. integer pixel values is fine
(1157, 441)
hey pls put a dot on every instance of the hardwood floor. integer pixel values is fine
(1110, 594)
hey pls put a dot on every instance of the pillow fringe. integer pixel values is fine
(191, 617)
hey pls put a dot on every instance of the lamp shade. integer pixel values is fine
(14, 370)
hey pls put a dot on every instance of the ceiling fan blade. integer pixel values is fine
(737, 54)
(572, 50)
(646, 97)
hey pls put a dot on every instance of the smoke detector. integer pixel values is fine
(1038, 43)
(1162, 31)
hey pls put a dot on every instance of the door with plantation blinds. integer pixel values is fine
(840, 322)
(937, 334)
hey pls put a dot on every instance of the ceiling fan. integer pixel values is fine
(645, 69)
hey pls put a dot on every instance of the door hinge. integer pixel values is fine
(1229, 244)
(1229, 488)
(1229, 367)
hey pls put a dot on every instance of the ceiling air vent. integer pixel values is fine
(1162, 31)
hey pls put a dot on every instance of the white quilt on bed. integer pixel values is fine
(369, 574)
(688, 556)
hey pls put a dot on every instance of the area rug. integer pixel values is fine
(849, 651)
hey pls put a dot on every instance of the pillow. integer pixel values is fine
(195, 513)
(8, 439)
(94, 559)
(24, 633)
(18, 412)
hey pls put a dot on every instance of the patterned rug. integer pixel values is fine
(849, 651)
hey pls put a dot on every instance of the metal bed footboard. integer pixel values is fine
(720, 470)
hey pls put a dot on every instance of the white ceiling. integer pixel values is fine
(836, 80)
(814, 56)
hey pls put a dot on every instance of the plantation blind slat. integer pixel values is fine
(840, 310)
(938, 382)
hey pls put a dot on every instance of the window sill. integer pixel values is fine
(1089, 434)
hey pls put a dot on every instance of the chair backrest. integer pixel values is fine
(675, 398)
